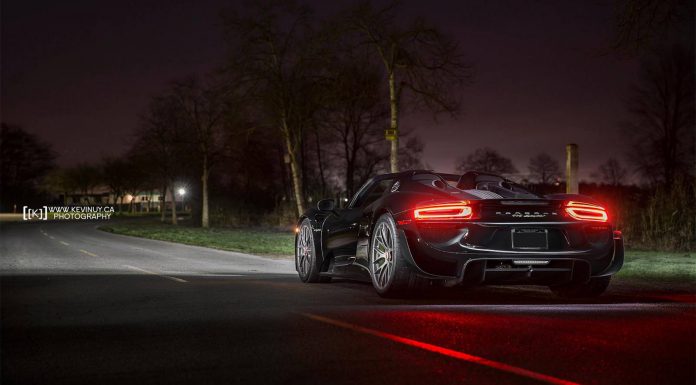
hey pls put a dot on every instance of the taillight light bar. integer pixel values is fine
(448, 211)
(586, 211)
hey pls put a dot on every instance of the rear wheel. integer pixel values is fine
(307, 262)
(390, 273)
(593, 288)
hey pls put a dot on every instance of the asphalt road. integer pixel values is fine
(80, 306)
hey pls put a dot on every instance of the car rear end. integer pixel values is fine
(511, 241)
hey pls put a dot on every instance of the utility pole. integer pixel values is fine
(572, 169)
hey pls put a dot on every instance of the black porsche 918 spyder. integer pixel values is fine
(415, 229)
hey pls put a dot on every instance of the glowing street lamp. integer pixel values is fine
(182, 192)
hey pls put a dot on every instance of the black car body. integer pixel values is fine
(476, 228)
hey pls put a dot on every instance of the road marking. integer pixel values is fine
(65, 243)
(444, 351)
(52, 237)
(536, 309)
(223, 275)
(88, 253)
(157, 274)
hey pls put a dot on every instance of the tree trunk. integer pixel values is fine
(303, 164)
(163, 203)
(205, 221)
(394, 109)
(284, 174)
(320, 162)
(171, 189)
(295, 173)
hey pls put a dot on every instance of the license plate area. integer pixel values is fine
(530, 239)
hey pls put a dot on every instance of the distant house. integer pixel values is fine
(144, 201)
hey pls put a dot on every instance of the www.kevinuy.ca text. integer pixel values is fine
(67, 212)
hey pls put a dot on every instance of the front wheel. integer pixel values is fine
(390, 273)
(593, 288)
(307, 262)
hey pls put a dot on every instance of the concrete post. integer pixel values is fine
(572, 169)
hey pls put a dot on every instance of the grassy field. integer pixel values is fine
(252, 241)
(643, 265)
(659, 266)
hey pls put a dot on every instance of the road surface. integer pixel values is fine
(80, 306)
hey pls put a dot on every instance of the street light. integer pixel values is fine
(182, 192)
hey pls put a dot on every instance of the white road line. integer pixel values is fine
(65, 243)
(88, 253)
(445, 351)
(52, 237)
(221, 275)
(536, 308)
(157, 274)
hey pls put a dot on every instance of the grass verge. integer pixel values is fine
(659, 266)
(253, 241)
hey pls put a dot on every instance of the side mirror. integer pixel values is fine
(326, 205)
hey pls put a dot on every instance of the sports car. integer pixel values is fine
(410, 230)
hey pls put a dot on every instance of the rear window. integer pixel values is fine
(495, 187)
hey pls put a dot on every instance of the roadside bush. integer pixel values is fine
(230, 215)
(666, 220)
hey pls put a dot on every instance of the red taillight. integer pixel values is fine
(586, 211)
(447, 211)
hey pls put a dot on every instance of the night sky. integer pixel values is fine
(78, 73)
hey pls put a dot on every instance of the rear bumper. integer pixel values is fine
(492, 267)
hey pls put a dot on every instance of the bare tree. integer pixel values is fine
(24, 160)
(58, 182)
(410, 153)
(662, 124)
(115, 175)
(160, 140)
(352, 118)
(271, 49)
(136, 181)
(417, 58)
(85, 177)
(544, 169)
(643, 24)
(202, 110)
(611, 172)
(487, 160)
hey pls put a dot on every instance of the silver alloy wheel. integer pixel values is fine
(303, 254)
(382, 263)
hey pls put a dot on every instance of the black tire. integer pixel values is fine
(591, 289)
(400, 280)
(307, 264)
